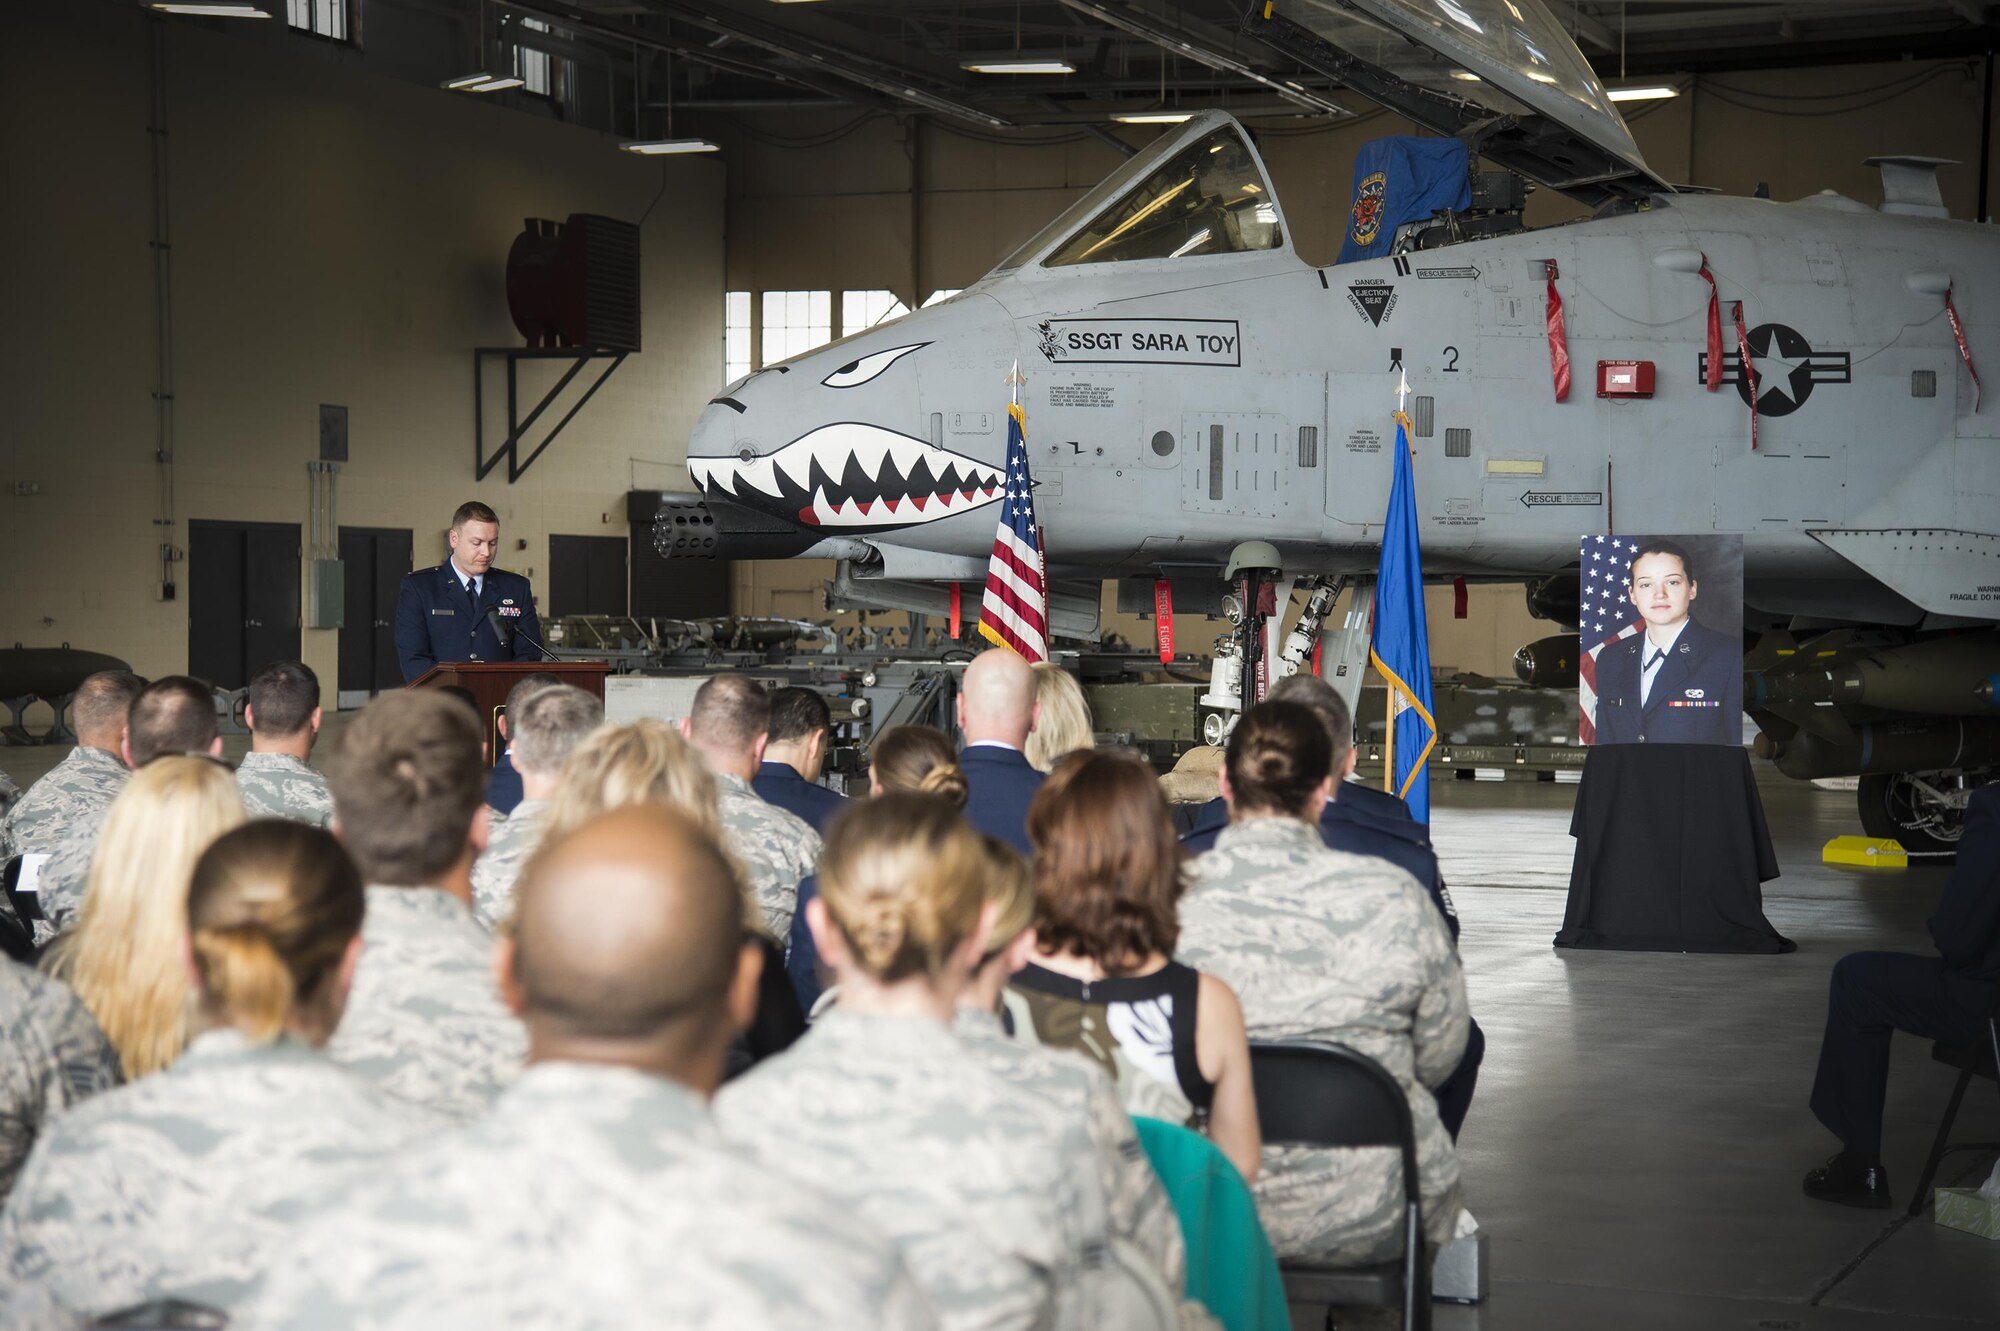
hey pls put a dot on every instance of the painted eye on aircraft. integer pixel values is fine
(858, 372)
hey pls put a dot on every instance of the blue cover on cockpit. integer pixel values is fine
(1402, 179)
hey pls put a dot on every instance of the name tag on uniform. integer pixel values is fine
(31, 871)
(444, 612)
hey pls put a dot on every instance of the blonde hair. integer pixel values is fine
(904, 880)
(1063, 724)
(645, 762)
(125, 959)
(271, 910)
(918, 759)
(1010, 888)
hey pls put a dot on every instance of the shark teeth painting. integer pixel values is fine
(850, 476)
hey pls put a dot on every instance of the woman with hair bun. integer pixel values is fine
(915, 759)
(185, 1183)
(880, 1106)
(1323, 945)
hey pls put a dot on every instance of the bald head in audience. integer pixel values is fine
(996, 700)
(628, 948)
(175, 714)
(730, 722)
(99, 711)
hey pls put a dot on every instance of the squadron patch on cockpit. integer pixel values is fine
(1369, 199)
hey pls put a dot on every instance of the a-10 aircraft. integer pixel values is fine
(1191, 383)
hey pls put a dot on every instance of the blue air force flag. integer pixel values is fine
(1401, 648)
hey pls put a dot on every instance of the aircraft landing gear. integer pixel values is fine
(1248, 660)
(1924, 811)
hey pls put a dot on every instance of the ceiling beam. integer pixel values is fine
(1131, 21)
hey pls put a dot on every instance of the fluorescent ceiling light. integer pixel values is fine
(1154, 117)
(482, 82)
(1023, 66)
(1646, 94)
(662, 147)
(210, 8)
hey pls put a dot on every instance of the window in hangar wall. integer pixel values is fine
(761, 328)
(321, 18)
(543, 74)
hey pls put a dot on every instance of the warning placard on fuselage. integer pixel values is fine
(1141, 341)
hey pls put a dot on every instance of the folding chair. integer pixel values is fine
(1316, 1093)
(1981, 1058)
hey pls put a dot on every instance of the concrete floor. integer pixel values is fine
(1640, 1130)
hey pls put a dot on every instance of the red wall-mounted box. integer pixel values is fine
(1624, 378)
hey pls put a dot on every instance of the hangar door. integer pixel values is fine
(373, 561)
(243, 599)
(586, 576)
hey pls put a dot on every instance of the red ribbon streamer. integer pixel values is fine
(1459, 599)
(1163, 618)
(1319, 645)
(954, 612)
(1964, 351)
(1714, 379)
(1749, 372)
(1558, 338)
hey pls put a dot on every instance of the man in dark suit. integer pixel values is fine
(996, 710)
(1875, 994)
(465, 609)
(1679, 682)
(795, 754)
(504, 789)
(1364, 821)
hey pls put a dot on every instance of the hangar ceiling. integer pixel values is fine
(910, 55)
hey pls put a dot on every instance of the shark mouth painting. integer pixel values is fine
(850, 475)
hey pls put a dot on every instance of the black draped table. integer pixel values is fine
(1671, 847)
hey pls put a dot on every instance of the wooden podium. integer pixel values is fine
(489, 682)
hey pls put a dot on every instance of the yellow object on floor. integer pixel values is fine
(1865, 852)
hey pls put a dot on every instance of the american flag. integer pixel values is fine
(1015, 610)
(1605, 614)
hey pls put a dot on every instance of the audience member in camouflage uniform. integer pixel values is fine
(88, 778)
(880, 1105)
(175, 714)
(51, 1056)
(1127, 1193)
(545, 728)
(185, 1183)
(282, 711)
(597, 1192)
(423, 1022)
(729, 723)
(1324, 945)
(9, 795)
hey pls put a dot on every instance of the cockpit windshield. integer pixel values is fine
(1208, 198)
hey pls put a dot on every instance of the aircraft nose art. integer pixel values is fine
(852, 476)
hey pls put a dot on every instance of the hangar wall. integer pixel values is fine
(833, 201)
(338, 236)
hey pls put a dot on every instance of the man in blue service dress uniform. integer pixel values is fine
(1679, 682)
(465, 609)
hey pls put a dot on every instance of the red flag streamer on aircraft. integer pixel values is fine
(1964, 351)
(954, 612)
(1163, 617)
(1558, 337)
(1459, 599)
(1319, 646)
(1749, 371)
(1714, 376)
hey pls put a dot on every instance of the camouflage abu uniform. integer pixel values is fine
(423, 1021)
(186, 1182)
(964, 1172)
(51, 1056)
(776, 847)
(1135, 1206)
(277, 785)
(76, 790)
(508, 847)
(1323, 945)
(9, 793)
(591, 1197)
